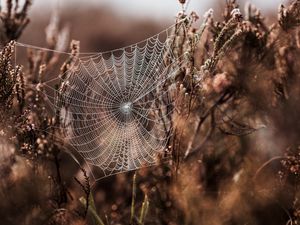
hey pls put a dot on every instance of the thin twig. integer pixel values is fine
(267, 163)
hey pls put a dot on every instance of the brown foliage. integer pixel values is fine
(235, 149)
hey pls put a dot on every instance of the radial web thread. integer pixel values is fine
(116, 107)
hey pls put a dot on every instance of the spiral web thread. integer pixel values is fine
(115, 107)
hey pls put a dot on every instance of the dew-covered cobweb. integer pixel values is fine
(116, 107)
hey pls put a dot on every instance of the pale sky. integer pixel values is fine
(147, 8)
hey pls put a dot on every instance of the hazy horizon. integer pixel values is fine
(156, 9)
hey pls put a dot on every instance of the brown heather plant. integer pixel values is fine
(235, 148)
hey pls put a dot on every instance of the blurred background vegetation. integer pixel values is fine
(247, 170)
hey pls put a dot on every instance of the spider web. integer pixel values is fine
(115, 108)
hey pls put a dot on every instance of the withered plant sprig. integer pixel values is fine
(14, 19)
(289, 17)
